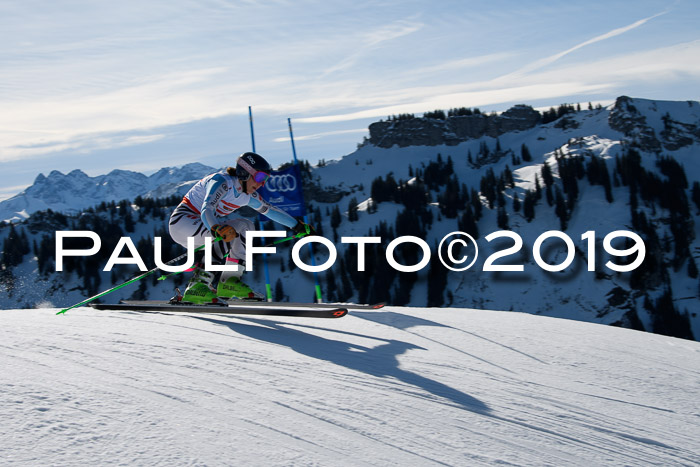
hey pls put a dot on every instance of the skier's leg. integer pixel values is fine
(185, 223)
(230, 283)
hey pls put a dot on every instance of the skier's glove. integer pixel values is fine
(226, 232)
(302, 229)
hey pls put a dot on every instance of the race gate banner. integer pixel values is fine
(283, 190)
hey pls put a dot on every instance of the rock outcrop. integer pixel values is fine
(452, 130)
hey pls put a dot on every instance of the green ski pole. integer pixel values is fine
(276, 242)
(131, 281)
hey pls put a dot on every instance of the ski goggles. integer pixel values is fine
(258, 175)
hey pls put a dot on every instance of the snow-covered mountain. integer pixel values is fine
(653, 129)
(651, 154)
(403, 387)
(70, 193)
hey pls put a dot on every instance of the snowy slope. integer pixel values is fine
(574, 293)
(392, 387)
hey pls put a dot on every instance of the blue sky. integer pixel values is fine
(144, 84)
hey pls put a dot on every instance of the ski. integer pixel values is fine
(247, 308)
(265, 304)
(349, 306)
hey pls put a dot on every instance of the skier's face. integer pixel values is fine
(252, 186)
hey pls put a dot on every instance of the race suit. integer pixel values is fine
(214, 201)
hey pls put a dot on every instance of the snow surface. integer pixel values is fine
(392, 387)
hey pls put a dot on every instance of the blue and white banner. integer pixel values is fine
(283, 190)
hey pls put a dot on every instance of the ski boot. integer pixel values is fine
(234, 288)
(230, 284)
(199, 290)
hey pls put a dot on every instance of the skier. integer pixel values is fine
(208, 210)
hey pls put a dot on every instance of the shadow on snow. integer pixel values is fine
(380, 361)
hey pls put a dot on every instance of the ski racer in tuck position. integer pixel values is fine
(209, 209)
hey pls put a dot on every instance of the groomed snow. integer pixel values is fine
(398, 386)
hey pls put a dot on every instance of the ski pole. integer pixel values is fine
(286, 239)
(276, 242)
(131, 281)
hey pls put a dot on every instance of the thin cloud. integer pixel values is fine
(391, 32)
(463, 63)
(553, 58)
(373, 39)
(319, 135)
(663, 65)
(473, 98)
(611, 75)
(84, 144)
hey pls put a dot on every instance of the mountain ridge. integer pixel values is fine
(69, 193)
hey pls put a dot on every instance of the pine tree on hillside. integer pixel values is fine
(336, 218)
(488, 187)
(692, 268)
(384, 189)
(24, 242)
(560, 209)
(547, 176)
(128, 220)
(437, 282)
(449, 202)
(476, 204)
(502, 218)
(508, 177)
(467, 223)
(279, 291)
(516, 202)
(353, 216)
(667, 320)
(696, 195)
(548, 180)
(14, 248)
(605, 179)
(529, 205)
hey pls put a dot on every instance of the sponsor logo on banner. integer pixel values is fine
(281, 183)
(283, 190)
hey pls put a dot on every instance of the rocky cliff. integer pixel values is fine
(451, 130)
(660, 130)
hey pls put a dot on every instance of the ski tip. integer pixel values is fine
(378, 306)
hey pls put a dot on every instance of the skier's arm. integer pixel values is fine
(215, 191)
(277, 215)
